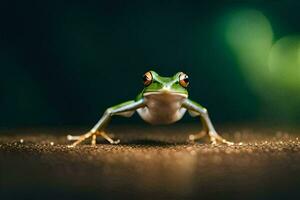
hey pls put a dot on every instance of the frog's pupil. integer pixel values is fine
(186, 79)
(145, 78)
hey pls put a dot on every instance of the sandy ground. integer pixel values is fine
(154, 163)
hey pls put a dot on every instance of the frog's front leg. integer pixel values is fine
(125, 109)
(195, 110)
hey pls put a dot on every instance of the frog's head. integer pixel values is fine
(155, 84)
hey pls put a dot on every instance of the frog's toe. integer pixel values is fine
(191, 138)
(72, 137)
(228, 142)
(215, 141)
(194, 137)
(115, 141)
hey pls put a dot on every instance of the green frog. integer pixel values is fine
(164, 100)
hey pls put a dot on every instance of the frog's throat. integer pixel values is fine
(165, 93)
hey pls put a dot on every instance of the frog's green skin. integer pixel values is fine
(163, 101)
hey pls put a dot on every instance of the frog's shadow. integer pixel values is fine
(149, 142)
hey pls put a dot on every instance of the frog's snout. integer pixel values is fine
(166, 89)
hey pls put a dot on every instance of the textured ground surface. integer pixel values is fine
(150, 164)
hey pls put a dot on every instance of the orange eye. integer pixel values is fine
(183, 80)
(147, 78)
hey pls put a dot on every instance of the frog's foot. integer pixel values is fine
(215, 138)
(197, 136)
(109, 139)
(80, 138)
(87, 135)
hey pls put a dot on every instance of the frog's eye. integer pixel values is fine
(183, 80)
(147, 78)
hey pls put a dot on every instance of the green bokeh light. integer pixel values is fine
(272, 69)
(284, 62)
(250, 36)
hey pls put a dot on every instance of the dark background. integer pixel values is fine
(63, 63)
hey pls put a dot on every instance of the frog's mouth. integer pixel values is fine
(166, 92)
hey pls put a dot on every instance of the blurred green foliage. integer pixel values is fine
(63, 63)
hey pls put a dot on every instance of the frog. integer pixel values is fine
(163, 100)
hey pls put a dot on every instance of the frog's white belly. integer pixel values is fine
(162, 108)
